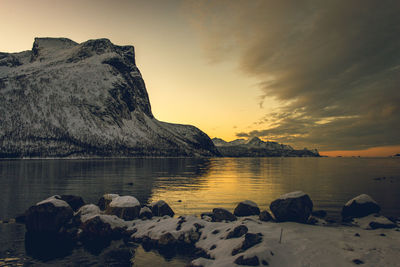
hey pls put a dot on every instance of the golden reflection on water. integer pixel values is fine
(226, 183)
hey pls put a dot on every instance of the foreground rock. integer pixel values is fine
(125, 207)
(105, 200)
(161, 208)
(295, 207)
(48, 216)
(246, 208)
(360, 206)
(374, 221)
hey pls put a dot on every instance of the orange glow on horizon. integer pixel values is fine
(383, 151)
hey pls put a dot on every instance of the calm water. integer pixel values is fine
(192, 186)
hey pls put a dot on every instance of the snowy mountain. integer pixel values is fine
(68, 99)
(255, 147)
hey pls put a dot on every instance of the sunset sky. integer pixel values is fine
(316, 74)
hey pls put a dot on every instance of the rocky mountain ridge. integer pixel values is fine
(67, 99)
(255, 147)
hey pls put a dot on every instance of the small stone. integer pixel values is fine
(382, 234)
(220, 215)
(237, 232)
(265, 216)
(358, 262)
(249, 241)
(253, 261)
(246, 208)
(215, 232)
(357, 234)
(264, 262)
(213, 247)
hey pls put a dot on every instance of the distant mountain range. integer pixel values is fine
(67, 99)
(255, 147)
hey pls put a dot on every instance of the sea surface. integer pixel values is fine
(190, 186)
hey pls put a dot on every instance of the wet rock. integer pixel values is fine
(20, 218)
(220, 215)
(294, 206)
(48, 216)
(237, 232)
(246, 208)
(125, 207)
(98, 231)
(105, 200)
(145, 213)
(249, 241)
(360, 206)
(74, 201)
(161, 208)
(252, 261)
(319, 214)
(265, 216)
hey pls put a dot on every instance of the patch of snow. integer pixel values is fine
(294, 194)
(110, 196)
(361, 199)
(114, 221)
(124, 202)
(55, 200)
(364, 222)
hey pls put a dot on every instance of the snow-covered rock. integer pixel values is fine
(360, 206)
(48, 216)
(294, 206)
(68, 99)
(246, 208)
(374, 221)
(105, 200)
(145, 213)
(125, 207)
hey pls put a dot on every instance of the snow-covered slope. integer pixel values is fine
(68, 99)
(255, 147)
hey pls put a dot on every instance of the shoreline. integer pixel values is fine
(218, 238)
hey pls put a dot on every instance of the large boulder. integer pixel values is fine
(105, 200)
(161, 208)
(360, 206)
(295, 206)
(74, 201)
(220, 215)
(125, 207)
(246, 208)
(48, 216)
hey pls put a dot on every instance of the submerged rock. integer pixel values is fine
(125, 207)
(360, 206)
(246, 208)
(48, 216)
(294, 206)
(161, 208)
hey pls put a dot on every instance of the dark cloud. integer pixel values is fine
(334, 66)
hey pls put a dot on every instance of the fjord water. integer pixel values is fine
(196, 185)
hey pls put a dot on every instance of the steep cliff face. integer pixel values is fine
(68, 99)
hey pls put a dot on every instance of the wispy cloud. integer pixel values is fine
(335, 66)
